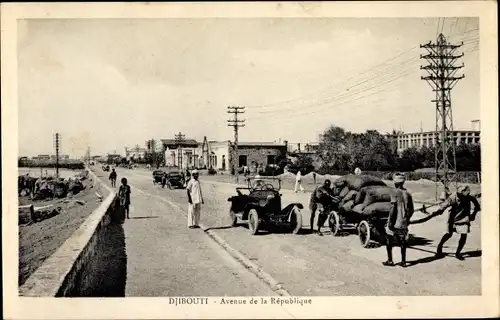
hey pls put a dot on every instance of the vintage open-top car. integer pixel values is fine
(158, 176)
(175, 180)
(259, 205)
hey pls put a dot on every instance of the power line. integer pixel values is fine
(346, 80)
(345, 94)
(441, 77)
(236, 124)
(179, 140)
(57, 146)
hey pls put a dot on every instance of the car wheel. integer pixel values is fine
(334, 223)
(234, 219)
(296, 220)
(253, 221)
(364, 233)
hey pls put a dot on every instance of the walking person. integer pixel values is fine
(459, 218)
(323, 196)
(112, 177)
(298, 182)
(195, 199)
(124, 197)
(398, 220)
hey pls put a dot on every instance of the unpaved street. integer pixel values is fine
(162, 249)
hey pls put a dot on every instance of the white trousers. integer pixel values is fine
(194, 211)
(298, 186)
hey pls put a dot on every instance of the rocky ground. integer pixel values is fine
(38, 241)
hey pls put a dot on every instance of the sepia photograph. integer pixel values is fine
(241, 161)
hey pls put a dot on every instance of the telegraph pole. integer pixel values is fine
(236, 124)
(441, 77)
(179, 139)
(57, 146)
(153, 148)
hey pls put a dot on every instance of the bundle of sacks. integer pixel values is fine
(363, 194)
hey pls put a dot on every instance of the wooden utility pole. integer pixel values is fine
(441, 69)
(179, 140)
(236, 124)
(57, 146)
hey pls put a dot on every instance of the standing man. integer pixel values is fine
(195, 198)
(112, 177)
(298, 182)
(323, 196)
(398, 220)
(124, 197)
(459, 219)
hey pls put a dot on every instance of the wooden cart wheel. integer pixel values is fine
(296, 220)
(234, 219)
(334, 223)
(364, 233)
(253, 221)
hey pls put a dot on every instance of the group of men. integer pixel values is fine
(459, 205)
(323, 197)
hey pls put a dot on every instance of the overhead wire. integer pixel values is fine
(335, 85)
(349, 93)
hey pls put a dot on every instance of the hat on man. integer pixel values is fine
(463, 189)
(398, 178)
(194, 171)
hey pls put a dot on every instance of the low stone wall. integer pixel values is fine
(90, 263)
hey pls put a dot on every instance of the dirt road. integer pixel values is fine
(306, 264)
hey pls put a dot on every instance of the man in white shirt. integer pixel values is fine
(298, 182)
(195, 199)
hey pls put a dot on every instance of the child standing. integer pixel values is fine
(124, 197)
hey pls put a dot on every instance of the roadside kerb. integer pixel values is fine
(235, 254)
(57, 275)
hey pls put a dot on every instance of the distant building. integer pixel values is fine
(219, 154)
(135, 153)
(301, 147)
(61, 157)
(184, 154)
(405, 141)
(42, 157)
(113, 158)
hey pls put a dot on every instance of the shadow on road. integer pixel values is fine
(220, 228)
(148, 217)
(105, 274)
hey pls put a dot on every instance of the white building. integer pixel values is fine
(135, 153)
(185, 155)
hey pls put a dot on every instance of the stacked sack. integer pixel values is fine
(363, 194)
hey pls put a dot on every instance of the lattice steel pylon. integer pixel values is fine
(441, 77)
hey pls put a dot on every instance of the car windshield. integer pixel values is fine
(266, 182)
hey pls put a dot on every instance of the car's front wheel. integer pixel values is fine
(233, 218)
(253, 221)
(296, 220)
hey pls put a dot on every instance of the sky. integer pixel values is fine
(111, 83)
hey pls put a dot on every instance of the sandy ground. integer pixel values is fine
(307, 264)
(40, 240)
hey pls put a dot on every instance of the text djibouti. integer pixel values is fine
(195, 301)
